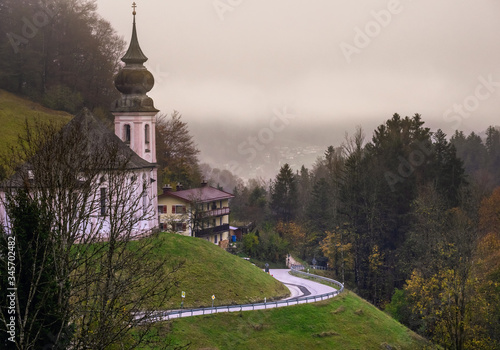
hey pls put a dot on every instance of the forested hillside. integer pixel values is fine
(60, 53)
(409, 220)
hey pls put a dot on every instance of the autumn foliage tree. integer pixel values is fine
(294, 234)
(338, 250)
(176, 151)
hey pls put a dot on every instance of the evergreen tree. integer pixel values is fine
(471, 150)
(284, 195)
(493, 148)
(41, 295)
(319, 211)
(448, 169)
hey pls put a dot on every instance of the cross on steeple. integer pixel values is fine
(134, 6)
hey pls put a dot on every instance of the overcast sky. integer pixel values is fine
(355, 62)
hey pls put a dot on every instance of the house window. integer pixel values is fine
(162, 209)
(146, 133)
(215, 239)
(180, 226)
(126, 132)
(178, 209)
(103, 201)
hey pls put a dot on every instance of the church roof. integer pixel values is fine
(134, 54)
(133, 80)
(93, 141)
(99, 134)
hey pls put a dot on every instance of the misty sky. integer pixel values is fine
(336, 62)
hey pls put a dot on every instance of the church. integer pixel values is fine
(125, 184)
(113, 176)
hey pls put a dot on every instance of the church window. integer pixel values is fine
(146, 133)
(144, 199)
(127, 133)
(103, 201)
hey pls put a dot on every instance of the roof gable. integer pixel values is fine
(200, 194)
(98, 134)
(87, 139)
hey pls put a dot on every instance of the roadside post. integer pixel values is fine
(183, 295)
(213, 298)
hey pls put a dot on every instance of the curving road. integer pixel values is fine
(300, 287)
(302, 291)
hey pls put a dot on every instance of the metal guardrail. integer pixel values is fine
(296, 269)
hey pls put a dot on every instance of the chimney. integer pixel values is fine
(203, 183)
(167, 188)
(178, 187)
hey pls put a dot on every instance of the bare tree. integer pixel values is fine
(106, 257)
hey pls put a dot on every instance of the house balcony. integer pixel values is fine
(211, 230)
(214, 212)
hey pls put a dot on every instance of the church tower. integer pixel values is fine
(134, 111)
(135, 119)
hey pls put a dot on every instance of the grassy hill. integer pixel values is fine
(344, 322)
(14, 111)
(209, 270)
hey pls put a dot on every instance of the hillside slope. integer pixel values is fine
(15, 110)
(344, 322)
(209, 270)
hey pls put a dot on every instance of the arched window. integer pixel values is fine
(146, 133)
(126, 132)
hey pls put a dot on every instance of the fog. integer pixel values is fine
(229, 65)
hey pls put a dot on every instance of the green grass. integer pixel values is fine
(209, 270)
(344, 322)
(14, 111)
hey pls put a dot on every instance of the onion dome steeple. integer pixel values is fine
(134, 80)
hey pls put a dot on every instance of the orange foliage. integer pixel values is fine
(489, 213)
(291, 232)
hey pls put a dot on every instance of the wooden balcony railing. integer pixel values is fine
(214, 212)
(212, 230)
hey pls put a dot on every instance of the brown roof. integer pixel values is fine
(200, 194)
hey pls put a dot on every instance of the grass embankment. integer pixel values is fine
(344, 322)
(209, 270)
(15, 110)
